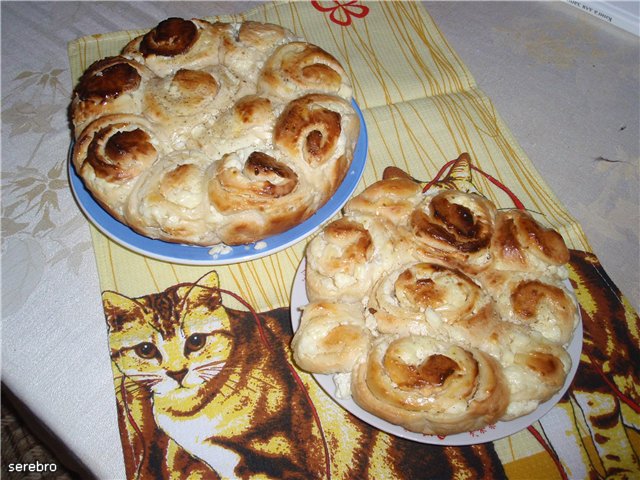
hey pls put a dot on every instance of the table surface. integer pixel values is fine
(565, 83)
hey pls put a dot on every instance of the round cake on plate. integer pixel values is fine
(214, 133)
(437, 311)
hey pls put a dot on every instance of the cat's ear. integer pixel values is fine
(119, 308)
(205, 291)
(210, 280)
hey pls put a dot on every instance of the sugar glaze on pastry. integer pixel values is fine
(214, 133)
(454, 314)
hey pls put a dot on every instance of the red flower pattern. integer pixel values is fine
(341, 12)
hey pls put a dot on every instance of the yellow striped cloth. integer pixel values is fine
(422, 108)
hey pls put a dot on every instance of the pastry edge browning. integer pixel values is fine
(212, 56)
(532, 363)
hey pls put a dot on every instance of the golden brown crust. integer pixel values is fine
(218, 159)
(262, 180)
(461, 340)
(306, 127)
(110, 145)
(399, 299)
(108, 86)
(394, 199)
(177, 43)
(298, 67)
(520, 243)
(455, 225)
(169, 38)
(331, 338)
(430, 387)
(346, 257)
(540, 302)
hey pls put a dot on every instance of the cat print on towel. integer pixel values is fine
(207, 391)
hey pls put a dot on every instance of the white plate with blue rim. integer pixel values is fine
(488, 434)
(197, 255)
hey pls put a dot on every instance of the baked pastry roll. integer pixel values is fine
(467, 308)
(332, 337)
(182, 103)
(534, 374)
(394, 199)
(430, 386)
(176, 43)
(535, 368)
(170, 202)
(112, 85)
(456, 226)
(541, 302)
(296, 68)
(320, 132)
(416, 299)
(258, 193)
(255, 41)
(112, 153)
(267, 160)
(520, 243)
(346, 257)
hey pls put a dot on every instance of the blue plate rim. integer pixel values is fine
(201, 256)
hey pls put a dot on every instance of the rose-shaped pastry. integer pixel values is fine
(332, 337)
(535, 368)
(255, 41)
(176, 43)
(417, 298)
(520, 243)
(112, 153)
(170, 203)
(250, 121)
(111, 85)
(180, 96)
(298, 67)
(456, 226)
(460, 339)
(540, 302)
(227, 161)
(430, 387)
(346, 257)
(393, 199)
(258, 193)
(321, 132)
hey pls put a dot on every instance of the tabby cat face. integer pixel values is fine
(172, 342)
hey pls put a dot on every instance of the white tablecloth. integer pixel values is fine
(565, 83)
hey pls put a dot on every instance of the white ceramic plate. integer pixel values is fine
(195, 255)
(488, 434)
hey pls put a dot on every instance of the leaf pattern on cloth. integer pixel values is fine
(38, 222)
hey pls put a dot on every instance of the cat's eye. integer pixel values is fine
(195, 342)
(146, 350)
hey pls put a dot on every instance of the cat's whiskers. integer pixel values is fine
(133, 386)
(135, 381)
(237, 385)
(212, 369)
(214, 363)
(209, 374)
(252, 376)
(262, 380)
(235, 389)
